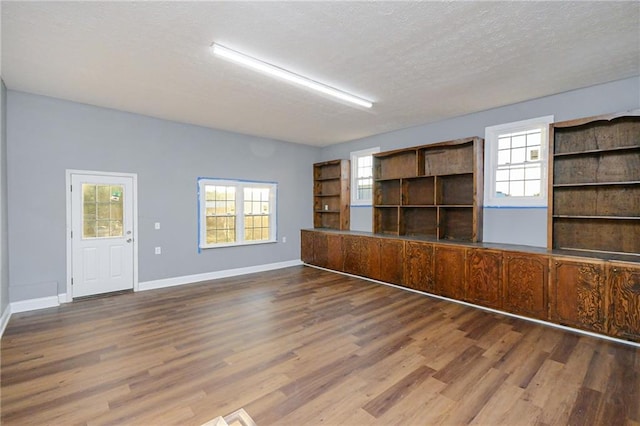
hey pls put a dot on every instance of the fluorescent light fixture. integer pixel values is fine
(274, 71)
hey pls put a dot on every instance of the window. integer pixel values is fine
(516, 163)
(362, 177)
(236, 212)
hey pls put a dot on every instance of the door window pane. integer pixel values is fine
(102, 210)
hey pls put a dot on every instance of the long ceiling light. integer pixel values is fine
(274, 71)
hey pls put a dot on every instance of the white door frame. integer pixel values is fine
(68, 297)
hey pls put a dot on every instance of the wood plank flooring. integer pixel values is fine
(302, 346)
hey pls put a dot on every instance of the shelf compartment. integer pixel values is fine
(419, 221)
(598, 151)
(327, 171)
(326, 204)
(449, 160)
(620, 236)
(386, 220)
(597, 135)
(395, 165)
(418, 191)
(326, 187)
(387, 192)
(621, 166)
(455, 189)
(455, 223)
(609, 200)
(325, 219)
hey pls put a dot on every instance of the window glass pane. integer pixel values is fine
(518, 155)
(516, 189)
(517, 174)
(533, 153)
(532, 188)
(504, 157)
(502, 175)
(518, 141)
(502, 189)
(534, 138)
(504, 143)
(533, 172)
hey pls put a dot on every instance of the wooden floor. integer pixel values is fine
(302, 346)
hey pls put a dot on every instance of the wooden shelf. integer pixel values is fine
(434, 190)
(568, 185)
(331, 195)
(598, 151)
(564, 216)
(594, 191)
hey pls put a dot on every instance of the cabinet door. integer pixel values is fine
(391, 261)
(328, 250)
(525, 284)
(576, 293)
(418, 272)
(623, 287)
(484, 282)
(449, 271)
(361, 255)
(306, 246)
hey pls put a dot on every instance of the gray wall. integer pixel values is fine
(4, 252)
(46, 136)
(516, 226)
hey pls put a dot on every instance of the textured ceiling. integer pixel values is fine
(418, 61)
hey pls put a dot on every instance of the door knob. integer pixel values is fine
(129, 240)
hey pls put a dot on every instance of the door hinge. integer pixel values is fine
(71, 281)
(71, 234)
(70, 188)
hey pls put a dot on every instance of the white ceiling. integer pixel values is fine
(418, 61)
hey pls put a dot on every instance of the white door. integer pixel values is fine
(102, 243)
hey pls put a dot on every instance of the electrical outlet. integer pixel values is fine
(158, 250)
(157, 225)
(284, 239)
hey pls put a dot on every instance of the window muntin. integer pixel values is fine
(362, 176)
(516, 163)
(236, 212)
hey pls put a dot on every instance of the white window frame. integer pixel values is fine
(491, 162)
(239, 208)
(355, 201)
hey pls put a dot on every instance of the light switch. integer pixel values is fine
(157, 225)
(158, 250)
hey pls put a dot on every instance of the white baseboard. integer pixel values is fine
(62, 298)
(189, 279)
(33, 304)
(4, 319)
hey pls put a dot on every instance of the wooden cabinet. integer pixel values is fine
(327, 250)
(431, 190)
(307, 246)
(361, 255)
(525, 284)
(418, 266)
(623, 288)
(449, 271)
(391, 261)
(594, 184)
(576, 294)
(331, 194)
(484, 278)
